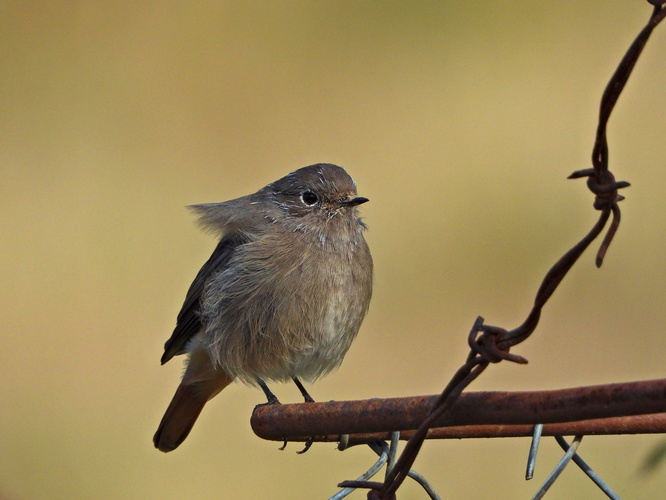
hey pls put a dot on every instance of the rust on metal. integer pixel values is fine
(278, 422)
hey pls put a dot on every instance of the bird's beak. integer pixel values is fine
(354, 201)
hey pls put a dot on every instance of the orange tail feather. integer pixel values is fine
(200, 383)
(179, 418)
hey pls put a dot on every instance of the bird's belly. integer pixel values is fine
(303, 327)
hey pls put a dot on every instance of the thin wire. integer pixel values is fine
(588, 470)
(424, 484)
(571, 451)
(376, 467)
(380, 447)
(393, 451)
(534, 449)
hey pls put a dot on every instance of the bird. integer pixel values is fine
(281, 298)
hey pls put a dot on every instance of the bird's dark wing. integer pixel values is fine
(189, 322)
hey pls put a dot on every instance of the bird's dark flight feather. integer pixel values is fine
(188, 322)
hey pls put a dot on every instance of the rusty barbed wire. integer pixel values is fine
(491, 344)
(488, 343)
(599, 179)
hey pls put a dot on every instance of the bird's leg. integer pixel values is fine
(272, 398)
(304, 392)
(308, 399)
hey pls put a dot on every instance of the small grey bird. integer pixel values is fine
(282, 297)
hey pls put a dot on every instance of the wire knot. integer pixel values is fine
(603, 186)
(487, 342)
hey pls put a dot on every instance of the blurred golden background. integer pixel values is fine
(459, 120)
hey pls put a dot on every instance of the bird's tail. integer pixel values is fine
(200, 383)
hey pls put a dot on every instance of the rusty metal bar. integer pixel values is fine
(636, 424)
(472, 412)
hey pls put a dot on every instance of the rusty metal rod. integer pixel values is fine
(319, 420)
(636, 424)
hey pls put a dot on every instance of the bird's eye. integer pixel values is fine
(309, 198)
